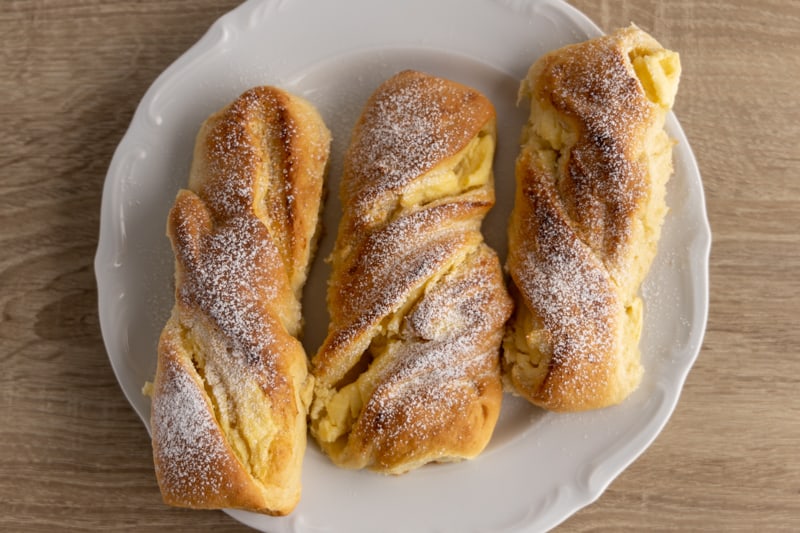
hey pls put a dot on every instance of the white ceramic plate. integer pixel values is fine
(539, 468)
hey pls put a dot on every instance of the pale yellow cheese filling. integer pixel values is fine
(334, 411)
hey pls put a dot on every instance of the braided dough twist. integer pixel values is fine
(232, 388)
(590, 202)
(409, 372)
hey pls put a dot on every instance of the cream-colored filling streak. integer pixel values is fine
(235, 398)
(526, 351)
(335, 411)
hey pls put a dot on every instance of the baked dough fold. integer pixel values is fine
(409, 372)
(230, 397)
(590, 202)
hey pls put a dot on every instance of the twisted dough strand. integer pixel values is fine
(231, 389)
(591, 185)
(409, 372)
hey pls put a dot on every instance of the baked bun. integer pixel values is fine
(409, 372)
(590, 202)
(231, 391)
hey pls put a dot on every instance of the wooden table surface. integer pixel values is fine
(73, 454)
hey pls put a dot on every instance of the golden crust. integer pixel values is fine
(409, 372)
(232, 388)
(591, 179)
(377, 164)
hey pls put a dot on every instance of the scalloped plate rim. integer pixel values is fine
(111, 233)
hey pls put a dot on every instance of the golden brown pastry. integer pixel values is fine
(590, 202)
(230, 398)
(409, 372)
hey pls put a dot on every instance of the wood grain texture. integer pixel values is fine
(74, 456)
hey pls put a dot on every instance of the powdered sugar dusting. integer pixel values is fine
(265, 156)
(417, 282)
(399, 121)
(469, 300)
(394, 259)
(408, 127)
(237, 269)
(232, 158)
(226, 282)
(391, 264)
(420, 395)
(449, 348)
(190, 448)
(569, 289)
(584, 170)
(593, 85)
(225, 408)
